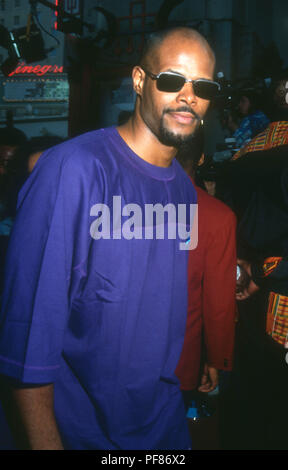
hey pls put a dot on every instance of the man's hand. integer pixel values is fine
(245, 285)
(247, 291)
(209, 380)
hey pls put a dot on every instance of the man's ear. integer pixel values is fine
(138, 76)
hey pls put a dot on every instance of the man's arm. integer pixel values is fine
(271, 273)
(219, 284)
(32, 418)
(245, 285)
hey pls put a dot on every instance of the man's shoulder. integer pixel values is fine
(216, 209)
(90, 143)
(98, 137)
(70, 164)
(80, 151)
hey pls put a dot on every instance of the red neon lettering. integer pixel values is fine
(17, 70)
(58, 69)
(44, 69)
(38, 70)
(27, 69)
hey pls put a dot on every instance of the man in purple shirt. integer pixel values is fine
(94, 307)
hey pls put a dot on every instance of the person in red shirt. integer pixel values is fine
(211, 288)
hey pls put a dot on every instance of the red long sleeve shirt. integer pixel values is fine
(211, 287)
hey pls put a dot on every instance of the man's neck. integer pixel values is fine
(145, 144)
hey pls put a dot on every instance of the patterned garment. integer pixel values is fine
(270, 264)
(275, 135)
(277, 318)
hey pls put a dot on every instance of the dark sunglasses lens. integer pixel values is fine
(205, 90)
(169, 82)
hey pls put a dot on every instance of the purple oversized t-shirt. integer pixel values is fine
(103, 319)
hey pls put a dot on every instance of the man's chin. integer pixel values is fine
(175, 139)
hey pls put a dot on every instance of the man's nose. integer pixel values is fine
(187, 94)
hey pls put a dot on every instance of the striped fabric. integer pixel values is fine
(275, 135)
(270, 264)
(277, 318)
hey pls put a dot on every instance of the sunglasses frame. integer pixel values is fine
(186, 80)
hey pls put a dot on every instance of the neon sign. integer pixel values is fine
(56, 14)
(69, 6)
(38, 70)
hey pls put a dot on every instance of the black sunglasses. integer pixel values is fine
(171, 82)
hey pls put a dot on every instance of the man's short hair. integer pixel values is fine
(155, 39)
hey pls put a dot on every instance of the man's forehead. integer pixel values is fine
(184, 60)
(177, 49)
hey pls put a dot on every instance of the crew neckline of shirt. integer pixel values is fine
(156, 172)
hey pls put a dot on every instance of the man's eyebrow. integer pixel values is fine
(174, 71)
(182, 75)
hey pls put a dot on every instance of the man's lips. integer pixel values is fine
(183, 118)
(183, 115)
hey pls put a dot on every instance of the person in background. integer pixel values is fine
(9, 135)
(18, 158)
(257, 185)
(244, 122)
(253, 120)
(26, 157)
(23, 158)
(211, 270)
(11, 139)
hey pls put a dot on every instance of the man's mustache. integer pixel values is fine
(182, 109)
